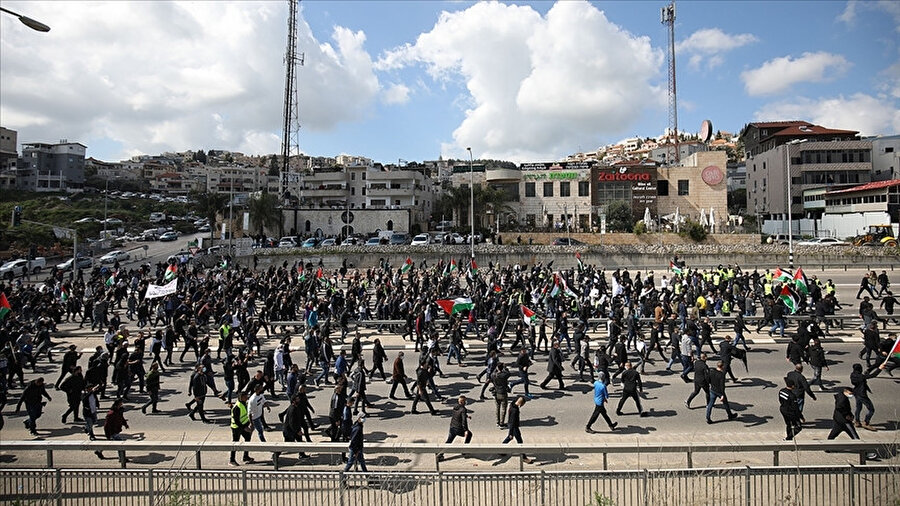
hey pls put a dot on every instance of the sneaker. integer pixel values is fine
(644, 414)
(613, 426)
(871, 456)
(732, 416)
(590, 430)
(687, 405)
(233, 463)
(872, 428)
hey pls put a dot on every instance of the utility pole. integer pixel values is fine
(667, 17)
(290, 136)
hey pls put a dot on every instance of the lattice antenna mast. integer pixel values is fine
(667, 17)
(290, 137)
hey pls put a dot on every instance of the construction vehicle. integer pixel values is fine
(877, 235)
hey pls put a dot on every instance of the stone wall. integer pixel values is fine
(629, 239)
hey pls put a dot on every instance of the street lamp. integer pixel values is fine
(471, 203)
(30, 23)
(790, 202)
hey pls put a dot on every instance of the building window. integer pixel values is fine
(352, 190)
(662, 188)
(683, 187)
(352, 176)
(564, 189)
(363, 175)
(529, 190)
(584, 188)
(364, 190)
(548, 189)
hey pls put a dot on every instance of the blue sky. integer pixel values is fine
(524, 81)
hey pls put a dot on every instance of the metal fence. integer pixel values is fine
(764, 486)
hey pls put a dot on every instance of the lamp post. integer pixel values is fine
(30, 23)
(790, 202)
(471, 204)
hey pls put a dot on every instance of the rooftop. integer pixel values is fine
(868, 186)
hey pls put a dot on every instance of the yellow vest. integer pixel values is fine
(767, 288)
(245, 416)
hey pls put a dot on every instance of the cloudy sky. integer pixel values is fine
(414, 80)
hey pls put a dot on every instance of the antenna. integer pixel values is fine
(667, 17)
(290, 137)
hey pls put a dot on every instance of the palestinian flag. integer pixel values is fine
(407, 265)
(63, 295)
(528, 316)
(578, 258)
(674, 268)
(788, 299)
(556, 288)
(474, 268)
(5, 308)
(781, 275)
(224, 264)
(566, 291)
(452, 266)
(171, 273)
(800, 282)
(319, 273)
(894, 353)
(112, 280)
(453, 306)
(300, 274)
(498, 289)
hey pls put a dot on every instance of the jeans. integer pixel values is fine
(523, 380)
(870, 409)
(356, 456)
(258, 425)
(777, 324)
(324, 374)
(89, 422)
(713, 395)
(454, 432)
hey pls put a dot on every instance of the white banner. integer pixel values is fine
(154, 291)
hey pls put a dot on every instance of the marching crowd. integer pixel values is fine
(608, 326)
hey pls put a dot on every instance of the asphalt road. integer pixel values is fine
(553, 416)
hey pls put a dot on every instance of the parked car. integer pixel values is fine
(83, 263)
(783, 239)
(86, 220)
(203, 228)
(373, 241)
(327, 242)
(824, 241)
(399, 239)
(421, 240)
(455, 238)
(115, 256)
(111, 221)
(15, 268)
(169, 236)
(565, 241)
(310, 242)
(351, 241)
(289, 241)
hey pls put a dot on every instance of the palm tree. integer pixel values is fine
(456, 201)
(264, 211)
(208, 205)
(493, 199)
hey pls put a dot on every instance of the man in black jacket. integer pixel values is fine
(842, 416)
(717, 390)
(69, 361)
(73, 386)
(727, 353)
(802, 388)
(293, 425)
(788, 408)
(31, 397)
(631, 388)
(701, 380)
(500, 380)
(554, 367)
(459, 422)
(356, 446)
(860, 381)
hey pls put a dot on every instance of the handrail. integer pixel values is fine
(437, 450)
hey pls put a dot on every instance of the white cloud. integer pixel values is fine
(865, 113)
(161, 76)
(848, 16)
(709, 44)
(396, 94)
(537, 85)
(779, 74)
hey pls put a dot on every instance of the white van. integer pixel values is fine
(157, 217)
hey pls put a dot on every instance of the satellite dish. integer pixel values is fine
(706, 131)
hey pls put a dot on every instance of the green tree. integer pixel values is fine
(264, 212)
(209, 205)
(619, 217)
(493, 199)
(200, 156)
(455, 202)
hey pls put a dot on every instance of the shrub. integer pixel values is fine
(694, 230)
(639, 228)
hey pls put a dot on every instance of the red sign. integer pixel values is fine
(623, 176)
(712, 175)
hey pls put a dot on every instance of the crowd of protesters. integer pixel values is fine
(606, 325)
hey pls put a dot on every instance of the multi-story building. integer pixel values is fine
(48, 167)
(816, 157)
(240, 180)
(9, 157)
(849, 211)
(885, 157)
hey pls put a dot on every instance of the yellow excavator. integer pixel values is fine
(877, 235)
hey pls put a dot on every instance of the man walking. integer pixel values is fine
(717, 390)
(500, 379)
(34, 405)
(240, 427)
(601, 397)
(554, 367)
(842, 418)
(860, 381)
(701, 380)
(802, 388)
(398, 377)
(788, 409)
(459, 423)
(631, 388)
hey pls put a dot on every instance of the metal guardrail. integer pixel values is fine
(436, 450)
(747, 486)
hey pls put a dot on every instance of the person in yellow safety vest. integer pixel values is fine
(769, 275)
(767, 287)
(829, 287)
(730, 273)
(224, 340)
(240, 426)
(726, 307)
(717, 278)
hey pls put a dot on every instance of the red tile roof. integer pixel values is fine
(868, 186)
(807, 129)
(773, 124)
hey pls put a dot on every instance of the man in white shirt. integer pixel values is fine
(255, 405)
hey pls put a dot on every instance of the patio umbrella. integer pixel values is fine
(703, 220)
(712, 220)
(647, 217)
(677, 220)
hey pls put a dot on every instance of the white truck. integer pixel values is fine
(15, 268)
